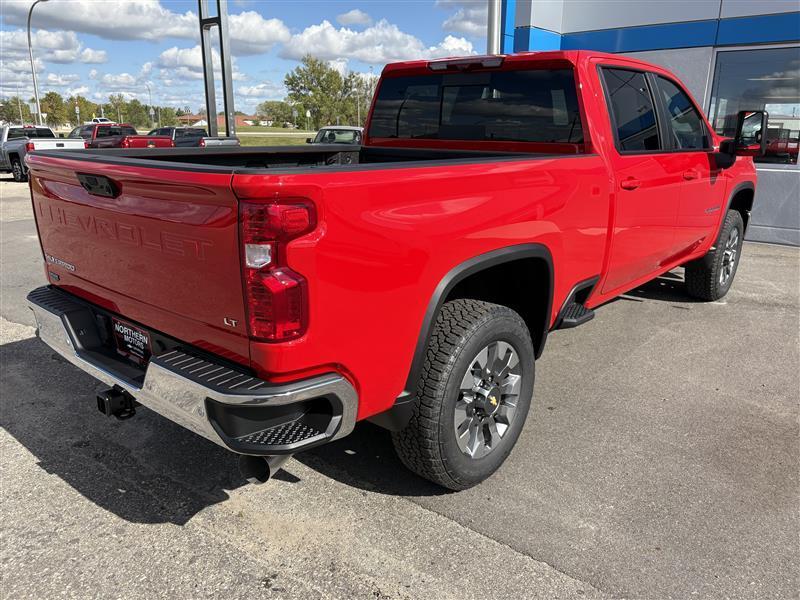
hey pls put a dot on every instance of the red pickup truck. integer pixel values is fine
(270, 298)
(114, 135)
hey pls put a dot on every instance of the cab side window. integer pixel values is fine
(684, 124)
(632, 110)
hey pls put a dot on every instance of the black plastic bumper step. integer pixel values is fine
(575, 314)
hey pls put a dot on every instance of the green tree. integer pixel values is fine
(321, 89)
(116, 108)
(277, 111)
(138, 115)
(169, 116)
(53, 105)
(10, 109)
(87, 109)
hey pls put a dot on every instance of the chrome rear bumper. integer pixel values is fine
(223, 404)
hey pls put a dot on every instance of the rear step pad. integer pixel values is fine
(575, 314)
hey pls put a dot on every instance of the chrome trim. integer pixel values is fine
(178, 398)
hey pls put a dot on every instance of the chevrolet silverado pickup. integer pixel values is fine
(17, 140)
(269, 299)
(102, 135)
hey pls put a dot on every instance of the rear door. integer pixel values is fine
(157, 246)
(690, 148)
(647, 184)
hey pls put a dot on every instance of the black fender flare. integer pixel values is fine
(745, 185)
(396, 417)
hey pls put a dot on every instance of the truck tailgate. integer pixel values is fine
(157, 246)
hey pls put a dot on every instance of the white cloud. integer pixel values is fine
(354, 17)
(469, 19)
(187, 64)
(119, 81)
(128, 20)
(267, 90)
(250, 32)
(381, 43)
(62, 47)
(253, 34)
(93, 57)
(61, 80)
(81, 90)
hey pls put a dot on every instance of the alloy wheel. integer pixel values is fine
(729, 256)
(488, 398)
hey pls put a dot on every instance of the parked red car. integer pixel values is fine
(269, 298)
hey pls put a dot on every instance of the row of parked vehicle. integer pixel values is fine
(17, 140)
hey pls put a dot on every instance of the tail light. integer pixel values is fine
(30, 147)
(126, 143)
(85, 144)
(276, 296)
(202, 142)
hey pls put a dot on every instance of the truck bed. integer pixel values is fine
(253, 159)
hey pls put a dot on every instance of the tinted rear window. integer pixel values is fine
(30, 132)
(520, 106)
(112, 131)
(338, 136)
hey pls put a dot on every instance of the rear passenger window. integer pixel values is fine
(685, 125)
(631, 107)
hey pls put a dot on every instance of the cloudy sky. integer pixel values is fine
(98, 47)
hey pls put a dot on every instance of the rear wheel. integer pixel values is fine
(17, 170)
(710, 277)
(473, 396)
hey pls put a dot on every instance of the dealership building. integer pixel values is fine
(732, 55)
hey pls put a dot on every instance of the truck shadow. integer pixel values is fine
(147, 470)
(366, 459)
(669, 287)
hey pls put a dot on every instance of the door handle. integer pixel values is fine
(690, 174)
(630, 184)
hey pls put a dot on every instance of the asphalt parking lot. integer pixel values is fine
(660, 460)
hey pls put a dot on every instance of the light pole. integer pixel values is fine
(19, 106)
(151, 112)
(33, 68)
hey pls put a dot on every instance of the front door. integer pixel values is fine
(703, 191)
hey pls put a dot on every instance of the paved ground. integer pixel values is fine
(660, 460)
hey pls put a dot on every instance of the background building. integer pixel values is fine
(731, 54)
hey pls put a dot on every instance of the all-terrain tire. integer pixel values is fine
(18, 171)
(710, 277)
(428, 444)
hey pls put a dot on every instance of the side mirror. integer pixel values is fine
(308, 140)
(750, 138)
(751, 133)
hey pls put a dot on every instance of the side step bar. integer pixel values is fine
(573, 312)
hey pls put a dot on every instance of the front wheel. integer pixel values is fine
(710, 278)
(473, 396)
(18, 171)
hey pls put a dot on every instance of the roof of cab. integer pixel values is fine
(572, 56)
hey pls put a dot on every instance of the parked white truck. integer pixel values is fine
(17, 140)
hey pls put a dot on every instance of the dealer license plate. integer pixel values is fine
(132, 342)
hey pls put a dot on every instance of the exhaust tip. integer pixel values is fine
(260, 469)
